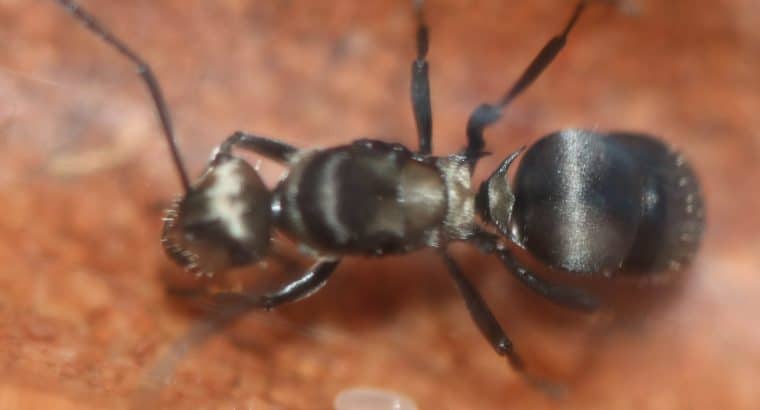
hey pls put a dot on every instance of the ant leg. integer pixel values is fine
(491, 329)
(486, 114)
(420, 88)
(298, 289)
(226, 309)
(566, 296)
(144, 70)
(272, 149)
(482, 315)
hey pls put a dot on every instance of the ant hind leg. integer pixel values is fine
(491, 329)
(565, 296)
(486, 114)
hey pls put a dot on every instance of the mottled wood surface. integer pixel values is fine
(85, 174)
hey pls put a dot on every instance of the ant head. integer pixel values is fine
(495, 198)
(223, 221)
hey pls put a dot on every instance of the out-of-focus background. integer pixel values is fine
(85, 175)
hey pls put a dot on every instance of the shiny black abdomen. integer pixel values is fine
(589, 203)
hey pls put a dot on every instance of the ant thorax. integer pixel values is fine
(374, 198)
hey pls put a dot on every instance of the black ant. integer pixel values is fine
(583, 202)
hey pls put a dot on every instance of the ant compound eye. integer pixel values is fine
(223, 222)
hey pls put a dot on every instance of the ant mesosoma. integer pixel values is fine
(583, 202)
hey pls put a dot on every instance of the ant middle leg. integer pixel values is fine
(420, 87)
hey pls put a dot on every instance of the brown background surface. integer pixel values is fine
(85, 174)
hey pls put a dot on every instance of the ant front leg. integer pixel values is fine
(225, 309)
(275, 150)
(301, 288)
(420, 88)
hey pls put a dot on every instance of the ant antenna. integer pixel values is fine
(144, 70)
(486, 114)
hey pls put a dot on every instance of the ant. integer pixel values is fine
(583, 203)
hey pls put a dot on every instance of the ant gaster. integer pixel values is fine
(583, 203)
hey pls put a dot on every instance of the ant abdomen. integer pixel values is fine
(597, 204)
